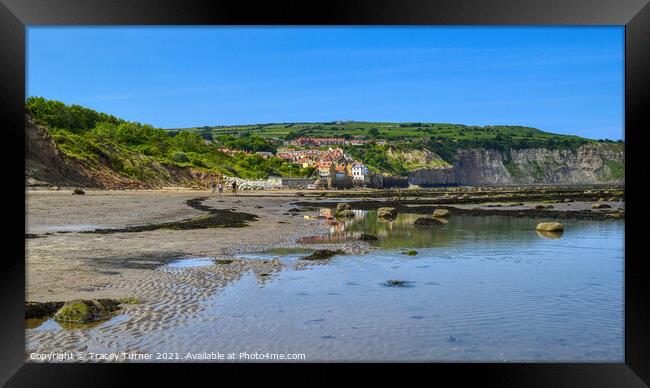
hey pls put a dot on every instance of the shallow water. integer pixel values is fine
(49, 324)
(479, 289)
(191, 262)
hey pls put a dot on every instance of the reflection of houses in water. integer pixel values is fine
(386, 226)
(315, 239)
(337, 228)
(351, 229)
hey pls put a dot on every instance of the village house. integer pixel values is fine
(305, 162)
(309, 157)
(340, 171)
(359, 172)
(326, 169)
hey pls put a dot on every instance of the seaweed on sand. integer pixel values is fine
(214, 218)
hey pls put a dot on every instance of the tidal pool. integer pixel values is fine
(478, 289)
(191, 262)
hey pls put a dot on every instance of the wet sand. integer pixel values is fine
(64, 266)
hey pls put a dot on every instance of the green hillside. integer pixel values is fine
(135, 150)
(443, 139)
(455, 135)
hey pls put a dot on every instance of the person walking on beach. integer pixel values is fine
(234, 188)
(220, 187)
(212, 187)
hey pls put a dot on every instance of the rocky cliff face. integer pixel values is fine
(45, 164)
(433, 177)
(589, 164)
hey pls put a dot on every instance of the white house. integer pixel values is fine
(359, 171)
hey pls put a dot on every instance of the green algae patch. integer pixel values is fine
(397, 283)
(84, 311)
(130, 300)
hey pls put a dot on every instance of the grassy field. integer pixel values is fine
(398, 132)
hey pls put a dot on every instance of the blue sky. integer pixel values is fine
(558, 79)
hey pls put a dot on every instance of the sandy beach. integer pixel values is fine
(64, 266)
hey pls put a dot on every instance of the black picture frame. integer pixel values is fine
(15, 15)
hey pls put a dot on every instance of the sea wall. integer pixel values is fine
(297, 183)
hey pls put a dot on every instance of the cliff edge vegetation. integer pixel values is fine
(112, 152)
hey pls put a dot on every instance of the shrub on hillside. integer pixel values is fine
(180, 157)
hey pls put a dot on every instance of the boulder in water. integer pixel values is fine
(84, 311)
(368, 237)
(78, 192)
(323, 254)
(41, 310)
(600, 206)
(387, 212)
(441, 213)
(549, 227)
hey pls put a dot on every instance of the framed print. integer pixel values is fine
(448, 187)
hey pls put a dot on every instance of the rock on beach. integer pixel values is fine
(549, 227)
(387, 212)
(441, 213)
